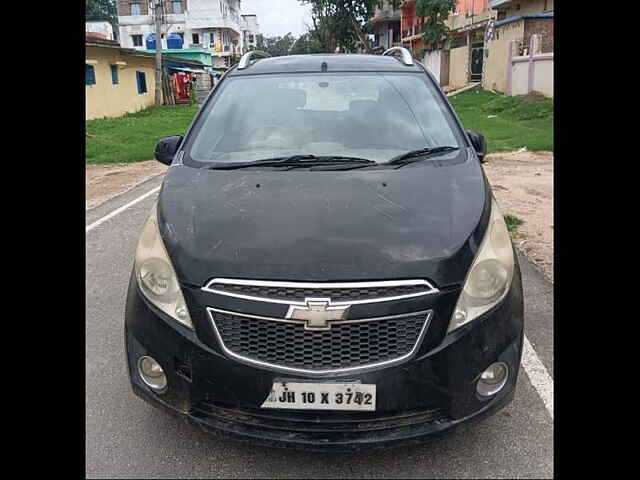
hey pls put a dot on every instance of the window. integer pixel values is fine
(329, 114)
(114, 74)
(142, 82)
(135, 9)
(137, 40)
(195, 39)
(89, 75)
(251, 38)
(177, 7)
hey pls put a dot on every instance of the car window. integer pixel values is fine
(374, 116)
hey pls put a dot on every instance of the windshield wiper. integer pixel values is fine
(295, 161)
(417, 155)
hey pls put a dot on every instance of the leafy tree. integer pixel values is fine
(103, 10)
(307, 43)
(435, 13)
(275, 46)
(339, 23)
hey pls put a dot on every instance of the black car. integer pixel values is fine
(326, 266)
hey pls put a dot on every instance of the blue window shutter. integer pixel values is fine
(89, 75)
(114, 74)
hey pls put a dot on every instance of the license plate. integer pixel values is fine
(322, 396)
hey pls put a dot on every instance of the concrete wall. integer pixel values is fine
(495, 64)
(433, 61)
(107, 100)
(520, 78)
(543, 80)
(459, 66)
(541, 72)
(532, 72)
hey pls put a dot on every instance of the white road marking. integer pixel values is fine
(538, 375)
(120, 210)
(536, 371)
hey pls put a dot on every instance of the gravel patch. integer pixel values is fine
(522, 183)
(106, 181)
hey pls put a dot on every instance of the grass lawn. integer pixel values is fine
(522, 121)
(133, 137)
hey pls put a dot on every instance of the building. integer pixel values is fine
(461, 59)
(512, 8)
(117, 80)
(99, 29)
(214, 25)
(385, 26)
(250, 32)
(511, 67)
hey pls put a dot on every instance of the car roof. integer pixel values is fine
(335, 63)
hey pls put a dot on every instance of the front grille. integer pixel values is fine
(283, 291)
(345, 345)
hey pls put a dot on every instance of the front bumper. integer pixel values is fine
(430, 394)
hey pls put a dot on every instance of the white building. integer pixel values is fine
(214, 25)
(250, 32)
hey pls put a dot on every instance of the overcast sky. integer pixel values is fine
(278, 17)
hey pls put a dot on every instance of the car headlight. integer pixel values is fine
(155, 274)
(490, 276)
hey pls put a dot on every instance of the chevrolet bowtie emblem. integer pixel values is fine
(317, 313)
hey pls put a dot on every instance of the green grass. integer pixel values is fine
(513, 222)
(521, 121)
(133, 137)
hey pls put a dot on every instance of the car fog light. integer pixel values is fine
(152, 374)
(492, 379)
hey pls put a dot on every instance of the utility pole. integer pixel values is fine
(158, 18)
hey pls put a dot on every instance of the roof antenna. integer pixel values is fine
(324, 66)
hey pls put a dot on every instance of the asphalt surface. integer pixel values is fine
(125, 437)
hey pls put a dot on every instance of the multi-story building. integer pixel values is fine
(468, 15)
(250, 32)
(385, 26)
(461, 59)
(213, 25)
(517, 21)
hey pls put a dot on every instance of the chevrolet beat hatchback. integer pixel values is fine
(326, 266)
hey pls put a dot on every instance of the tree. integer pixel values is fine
(307, 43)
(103, 10)
(276, 46)
(435, 13)
(339, 23)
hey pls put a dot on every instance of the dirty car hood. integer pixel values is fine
(421, 221)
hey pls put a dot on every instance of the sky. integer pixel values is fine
(278, 17)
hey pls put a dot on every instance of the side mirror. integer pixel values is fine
(166, 148)
(479, 144)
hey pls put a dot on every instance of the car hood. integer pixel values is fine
(424, 220)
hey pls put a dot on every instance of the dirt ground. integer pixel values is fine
(522, 183)
(105, 181)
(523, 186)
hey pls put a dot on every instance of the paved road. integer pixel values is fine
(125, 437)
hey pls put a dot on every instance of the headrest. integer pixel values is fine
(362, 106)
(291, 98)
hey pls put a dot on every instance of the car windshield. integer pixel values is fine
(369, 115)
